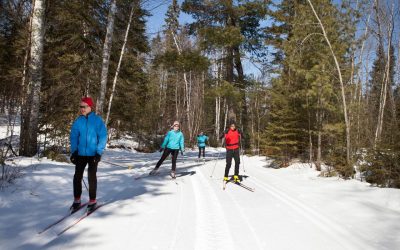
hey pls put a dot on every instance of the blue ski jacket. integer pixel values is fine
(88, 135)
(174, 140)
(201, 141)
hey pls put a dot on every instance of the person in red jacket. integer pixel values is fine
(232, 143)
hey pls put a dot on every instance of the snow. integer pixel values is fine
(291, 208)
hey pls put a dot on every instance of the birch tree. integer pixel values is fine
(106, 57)
(30, 112)
(121, 56)
(386, 76)
(342, 87)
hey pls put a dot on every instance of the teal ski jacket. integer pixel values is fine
(174, 140)
(201, 141)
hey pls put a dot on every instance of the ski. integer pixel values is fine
(61, 219)
(245, 186)
(146, 175)
(80, 219)
(173, 178)
(224, 184)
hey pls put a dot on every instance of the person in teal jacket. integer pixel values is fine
(201, 143)
(173, 143)
(88, 139)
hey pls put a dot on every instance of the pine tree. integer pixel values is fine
(234, 28)
(303, 100)
(71, 59)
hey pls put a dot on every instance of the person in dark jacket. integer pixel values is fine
(88, 140)
(201, 143)
(173, 143)
(233, 138)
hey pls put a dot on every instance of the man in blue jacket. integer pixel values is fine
(173, 143)
(88, 139)
(201, 143)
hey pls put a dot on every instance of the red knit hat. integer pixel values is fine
(88, 101)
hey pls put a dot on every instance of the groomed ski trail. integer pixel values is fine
(212, 231)
(290, 209)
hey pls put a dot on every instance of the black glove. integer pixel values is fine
(161, 149)
(74, 157)
(182, 152)
(97, 158)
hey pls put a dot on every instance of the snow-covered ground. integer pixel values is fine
(291, 208)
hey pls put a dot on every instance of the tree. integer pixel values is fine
(106, 57)
(233, 27)
(30, 113)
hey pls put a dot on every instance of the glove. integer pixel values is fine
(97, 158)
(182, 152)
(74, 157)
(161, 149)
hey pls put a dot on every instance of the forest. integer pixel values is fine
(323, 86)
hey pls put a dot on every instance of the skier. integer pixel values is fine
(173, 143)
(201, 143)
(232, 143)
(88, 139)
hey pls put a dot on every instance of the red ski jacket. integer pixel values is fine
(232, 139)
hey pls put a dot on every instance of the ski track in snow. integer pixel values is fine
(178, 219)
(245, 219)
(195, 213)
(211, 227)
(334, 230)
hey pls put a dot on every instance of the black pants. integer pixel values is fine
(167, 151)
(204, 151)
(232, 153)
(81, 163)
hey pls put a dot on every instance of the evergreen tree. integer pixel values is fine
(233, 27)
(304, 106)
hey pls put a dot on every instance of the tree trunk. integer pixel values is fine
(310, 156)
(121, 56)
(106, 57)
(30, 111)
(385, 83)
(346, 117)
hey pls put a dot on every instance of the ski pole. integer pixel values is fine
(85, 184)
(216, 161)
(244, 170)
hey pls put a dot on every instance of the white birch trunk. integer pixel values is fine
(30, 119)
(187, 87)
(106, 57)
(226, 108)
(385, 83)
(346, 118)
(121, 56)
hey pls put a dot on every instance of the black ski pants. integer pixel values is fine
(80, 166)
(232, 153)
(204, 151)
(174, 153)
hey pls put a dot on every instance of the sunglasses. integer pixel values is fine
(83, 107)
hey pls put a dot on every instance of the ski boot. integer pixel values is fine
(236, 179)
(154, 171)
(75, 206)
(172, 174)
(91, 206)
